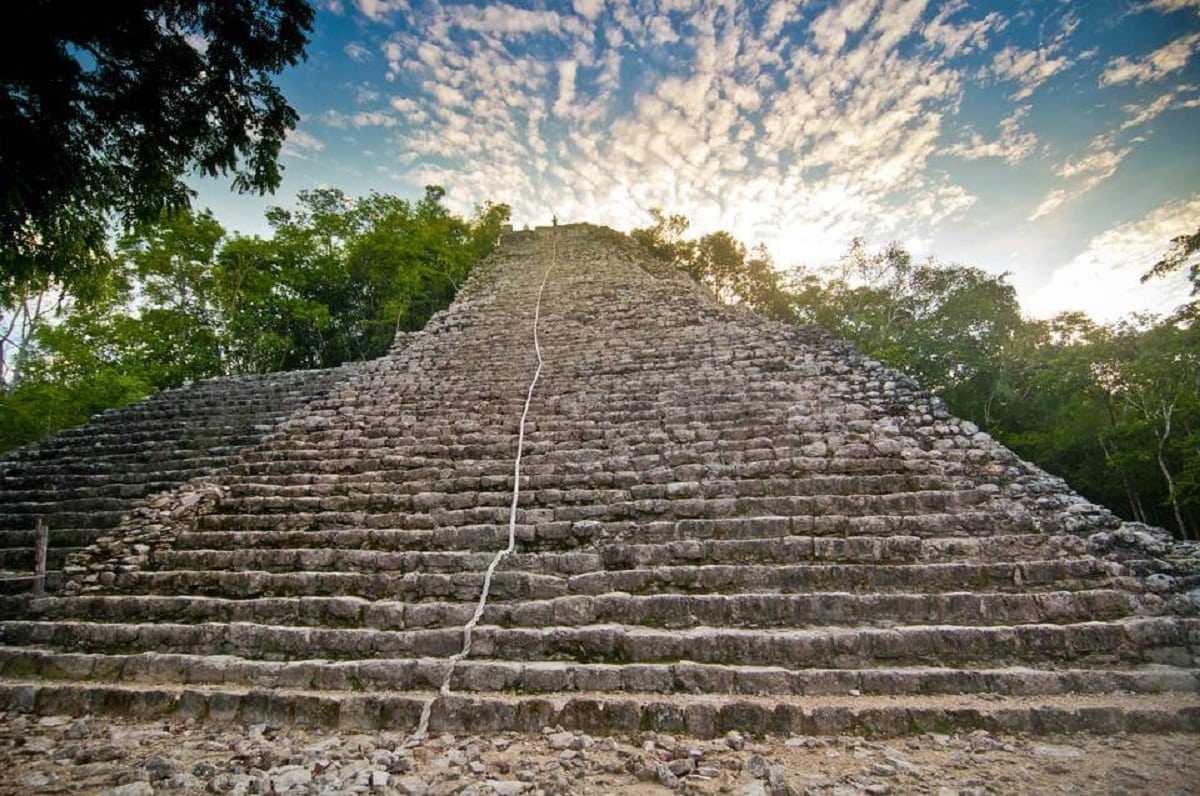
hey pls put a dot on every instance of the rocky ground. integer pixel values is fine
(59, 754)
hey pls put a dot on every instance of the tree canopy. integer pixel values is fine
(105, 106)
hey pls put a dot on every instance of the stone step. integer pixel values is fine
(486, 538)
(50, 504)
(592, 487)
(79, 489)
(611, 555)
(1163, 640)
(268, 466)
(605, 713)
(65, 520)
(66, 472)
(684, 677)
(150, 430)
(1028, 576)
(766, 610)
(489, 507)
(126, 484)
(183, 434)
(166, 461)
(22, 583)
(409, 586)
(967, 523)
(25, 539)
(746, 540)
(22, 558)
(312, 559)
(844, 549)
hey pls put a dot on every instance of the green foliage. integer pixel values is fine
(1181, 253)
(105, 106)
(945, 325)
(719, 262)
(181, 300)
(74, 371)
(664, 238)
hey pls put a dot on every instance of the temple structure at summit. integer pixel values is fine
(722, 522)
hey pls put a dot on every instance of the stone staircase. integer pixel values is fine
(82, 481)
(723, 523)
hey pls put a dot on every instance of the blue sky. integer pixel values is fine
(1055, 141)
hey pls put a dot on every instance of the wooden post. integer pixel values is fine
(39, 556)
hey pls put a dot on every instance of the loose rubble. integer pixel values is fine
(58, 754)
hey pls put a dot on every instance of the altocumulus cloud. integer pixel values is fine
(753, 119)
(801, 124)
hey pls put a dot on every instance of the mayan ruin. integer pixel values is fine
(724, 525)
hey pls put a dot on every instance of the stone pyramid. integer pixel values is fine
(722, 523)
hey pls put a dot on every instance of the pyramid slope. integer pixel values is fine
(723, 522)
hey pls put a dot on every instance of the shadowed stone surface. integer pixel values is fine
(724, 523)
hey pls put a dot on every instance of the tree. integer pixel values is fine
(664, 238)
(718, 261)
(947, 325)
(74, 366)
(179, 336)
(1152, 371)
(104, 106)
(1181, 252)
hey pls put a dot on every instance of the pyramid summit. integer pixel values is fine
(722, 523)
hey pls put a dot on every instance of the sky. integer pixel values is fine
(1057, 142)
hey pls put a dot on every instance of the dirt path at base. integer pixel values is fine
(58, 754)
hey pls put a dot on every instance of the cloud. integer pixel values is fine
(1168, 6)
(301, 145)
(1013, 145)
(404, 104)
(505, 19)
(1104, 154)
(1030, 68)
(780, 12)
(1169, 58)
(831, 28)
(566, 87)
(376, 10)
(1086, 172)
(1099, 164)
(1141, 114)
(445, 96)
(358, 120)
(196, 42)
(364, 94)
(589, 9)
(357, 53)
(1105, 278)
(965, 38)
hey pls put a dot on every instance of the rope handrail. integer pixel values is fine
(468, 629)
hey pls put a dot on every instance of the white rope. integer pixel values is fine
(427, 709)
